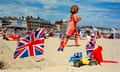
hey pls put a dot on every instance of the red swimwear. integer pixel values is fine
(71, 26)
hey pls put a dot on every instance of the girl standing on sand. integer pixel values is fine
(71, 29)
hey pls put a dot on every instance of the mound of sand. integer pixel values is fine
(54, 61)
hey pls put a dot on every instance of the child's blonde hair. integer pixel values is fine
(74, 9)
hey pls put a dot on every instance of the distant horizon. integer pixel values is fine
(102, 13)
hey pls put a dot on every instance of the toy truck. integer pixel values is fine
(79, 59)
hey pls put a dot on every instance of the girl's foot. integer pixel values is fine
(77, 45)
(60, 49)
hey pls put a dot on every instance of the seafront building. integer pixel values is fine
(28, 23)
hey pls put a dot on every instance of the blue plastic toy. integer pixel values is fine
(76, 56)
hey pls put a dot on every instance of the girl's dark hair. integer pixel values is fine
(74, 9)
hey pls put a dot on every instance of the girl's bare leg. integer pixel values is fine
(76, 40)
(66, 40)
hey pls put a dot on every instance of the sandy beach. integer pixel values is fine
(54, 61)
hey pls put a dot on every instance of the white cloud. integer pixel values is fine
(14, 9)
(55, 3)
(48, 3)
(21, 10)
(110, 0)
(90, 14)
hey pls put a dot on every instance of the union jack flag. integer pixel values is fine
(91, 44)
(61, 47)
(31, 45)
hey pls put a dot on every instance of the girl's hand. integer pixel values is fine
(79, 19)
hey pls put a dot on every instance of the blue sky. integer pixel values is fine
(103, 13)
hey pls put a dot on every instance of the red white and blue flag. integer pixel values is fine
(91, 44)
(31, 45)
(61, 47)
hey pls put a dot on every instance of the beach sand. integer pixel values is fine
(54, 61)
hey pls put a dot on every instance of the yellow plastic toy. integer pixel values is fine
(85, 60)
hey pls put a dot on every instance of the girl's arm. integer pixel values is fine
(76, 19)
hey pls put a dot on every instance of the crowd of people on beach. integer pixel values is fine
(11, 34)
